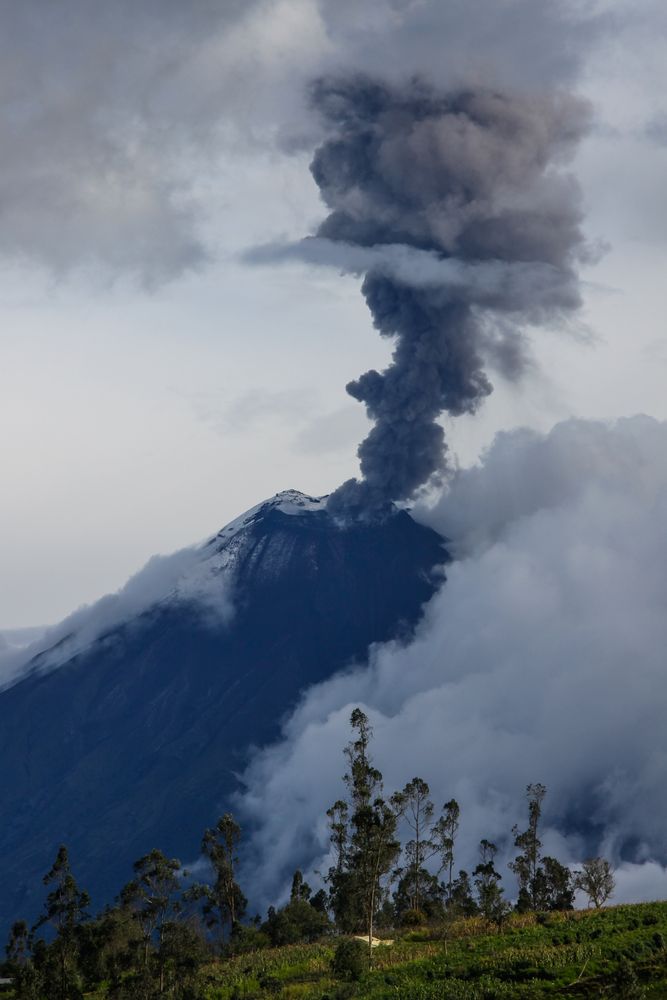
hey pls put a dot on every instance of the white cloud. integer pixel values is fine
(187, 576)
(647, 881)
(541, 659)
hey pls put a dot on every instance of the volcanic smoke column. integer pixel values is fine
(470, 232)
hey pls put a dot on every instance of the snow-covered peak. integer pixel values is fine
(287, 502)
(293, 502)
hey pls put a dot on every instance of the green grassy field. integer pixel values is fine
(616, 952)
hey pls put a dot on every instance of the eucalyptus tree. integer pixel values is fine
(65, 910)
(224, 903)
(417, 811)
(526, 865)
(363, 833)
(490, 899)
(153, 897)
(444, 836)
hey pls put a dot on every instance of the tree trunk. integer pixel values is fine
(371, 912)
(63, 973)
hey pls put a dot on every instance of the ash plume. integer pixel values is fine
(418, 180)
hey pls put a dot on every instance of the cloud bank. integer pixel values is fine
(541, 659)
(112, 114)
(187, 576)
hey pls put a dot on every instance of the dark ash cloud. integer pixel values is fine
(471, 179)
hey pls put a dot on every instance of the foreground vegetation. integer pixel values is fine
(443, 935)
(615, 952)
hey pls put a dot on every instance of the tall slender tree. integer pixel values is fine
(444, 835)
(153, 896)
(25, 977)
(417, 811)
(366, 841)
(490, 899)
(224, 902)
(527, 863)
(65, 910)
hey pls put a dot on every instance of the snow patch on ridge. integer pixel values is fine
(287, 502)
(293, 502)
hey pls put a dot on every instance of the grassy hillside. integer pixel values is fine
(617, 952)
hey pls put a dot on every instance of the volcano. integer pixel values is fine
(135, 738)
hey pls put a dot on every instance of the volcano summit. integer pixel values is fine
(119, 740)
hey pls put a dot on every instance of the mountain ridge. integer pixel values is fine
(214, 554)
(137, 740)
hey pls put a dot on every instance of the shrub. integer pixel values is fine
(271, 984)
(296, 922)
(350, 959)
(246, 938)
(625, 984)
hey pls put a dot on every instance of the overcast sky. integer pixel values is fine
(152, 383)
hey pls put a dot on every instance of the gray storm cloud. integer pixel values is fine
(113, 115)
(541, 659)
(470, 182)
(116, 117)
(532, 43)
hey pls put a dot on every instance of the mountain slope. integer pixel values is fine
(135, 740)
